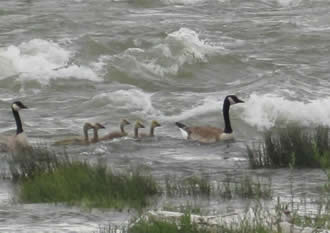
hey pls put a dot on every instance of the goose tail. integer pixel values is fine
(183, 129)
(180, 125)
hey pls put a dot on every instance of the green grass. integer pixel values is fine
(190, 186)
(315, 222)
(81, 184)
(46, 177)
(291, 146)
(30, 162)
(185, 225)
(243, 187)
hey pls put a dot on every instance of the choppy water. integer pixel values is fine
(73, 61)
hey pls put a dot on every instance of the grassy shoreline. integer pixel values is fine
(89, 186)
(46, 177)
(292, 146)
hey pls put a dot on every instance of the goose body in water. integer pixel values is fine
(208, 134)
(77, 140)
(117, 134)
(19, 140)
(154, 124)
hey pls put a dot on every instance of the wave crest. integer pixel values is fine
(41, 60)
(177, 49)
(266, 111)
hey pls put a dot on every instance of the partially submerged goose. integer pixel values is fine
(208, 134)
(117, 134)
(18, 141)
(154, 124)
(138, 125)
(78, 140)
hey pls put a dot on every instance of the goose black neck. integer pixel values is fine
(225, 111)
(96, 135)
(85, 133)
(19, 127)
(152, 129)
(136, 132)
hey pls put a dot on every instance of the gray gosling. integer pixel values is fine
(208, 134)
(154, 124)
(78, 140)
(138, 125)
(18, 141)
(117, 134)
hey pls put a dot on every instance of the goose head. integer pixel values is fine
(98, 126)
(233, 99)
(17, 105)
(155, 124)
(124, 122)
(88, 126)
(139, 124)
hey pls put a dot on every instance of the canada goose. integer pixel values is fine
(208, 134)
(154, 124)
(138, 124)
(96, 127)
(78, 140)
(117, 134)
(18, 141)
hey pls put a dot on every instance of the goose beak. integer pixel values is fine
(240, 101)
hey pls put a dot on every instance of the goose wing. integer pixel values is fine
(113, 135)
(205, 134)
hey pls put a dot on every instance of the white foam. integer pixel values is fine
(179, 48)
(207, 106)
(265, 111)
(41, 60)
(133, 99)
(192, 47)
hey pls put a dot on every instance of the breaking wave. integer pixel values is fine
(42, 61)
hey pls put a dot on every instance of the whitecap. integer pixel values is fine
(207, 105)
(41, 60)
(192, 48)
(135, 100)
(178, 48)
(266, 111)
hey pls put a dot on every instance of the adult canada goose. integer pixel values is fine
(154, 124)
(138, 125)
(78, 140)
(19, 140)
(208, 134)
(117, 134)
(96, 127)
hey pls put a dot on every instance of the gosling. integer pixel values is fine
(117, 134)
(154, 124)
(138, 125)
(80, 140)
